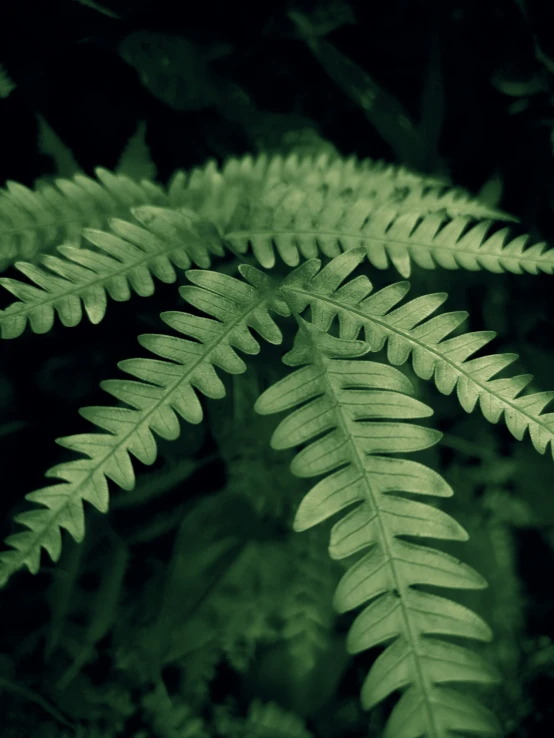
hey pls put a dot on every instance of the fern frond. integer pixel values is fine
(120, 262)
(167, 390)
(216, 193)
(455, 201)
(33, 221)
(299, 222)
(359, 405)
(408, 330)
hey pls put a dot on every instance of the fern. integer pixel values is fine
(127, 259)
(207, 195)
(167, 390)
(207, 190)
(302, 223)
(406, 331)
(455, 202)
(33, 221)
(363, 425)
(302, 207)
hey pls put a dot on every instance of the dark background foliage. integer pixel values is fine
(477, 79)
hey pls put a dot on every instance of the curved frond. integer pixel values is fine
(409, 330)
(34, 221)
(167, 389)
(216, 193)
(124, 259)
(360, 406)
(455, 201)
(297, 221)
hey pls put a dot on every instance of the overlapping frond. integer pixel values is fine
(233, 196)
(32, 221)
(360, 406)
(299, 221)
(167, 389)
(409, 330)
(124, 259)
(216, 193)
(454, 201)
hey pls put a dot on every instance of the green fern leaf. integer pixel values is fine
(300, 221)
(455, 201)
(167, 390)
(33, 222)
(408, 330)
(127, 259)
(360, 404)
(216, 194)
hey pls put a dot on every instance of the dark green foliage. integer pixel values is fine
(236, 574)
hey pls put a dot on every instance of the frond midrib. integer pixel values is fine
(459, 368)
(385, 539)
(30, 307)
(386, 241)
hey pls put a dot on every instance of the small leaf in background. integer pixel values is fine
(6, 84)
(491, 192)
(515, 83)
(50, 144)
(271, 719)
(269, 132)
(518, 106)
(99, 8)
(173, 68)
(135, 160)
(546, 60)
(326, 18)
